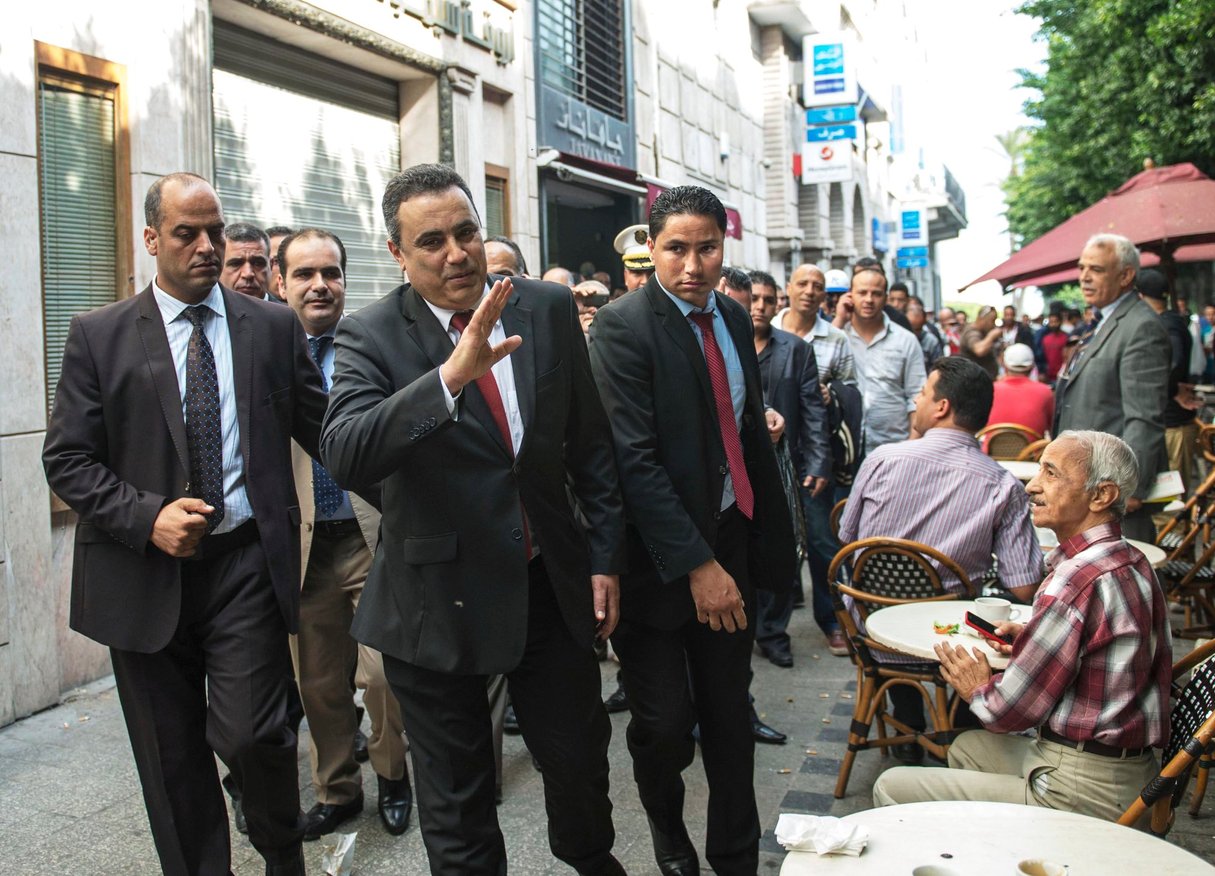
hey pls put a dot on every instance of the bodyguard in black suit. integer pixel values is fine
(475, 424)
(700, 529)
(789, 374)
(170, 438)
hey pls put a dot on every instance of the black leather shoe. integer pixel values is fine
(360, 746)
(395, 803)
(778, 654)
(674, 852)
(324, 818)
(510, 721)
(618, 701)
(765, 734)
(908, 753)
(288, 865)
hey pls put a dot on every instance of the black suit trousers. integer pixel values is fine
(220, 687)
(556, 693)
(676, 679)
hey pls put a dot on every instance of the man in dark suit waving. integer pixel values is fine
(475, 407)
(171, 439)
(676, 366)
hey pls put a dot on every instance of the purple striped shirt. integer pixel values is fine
(943, 491)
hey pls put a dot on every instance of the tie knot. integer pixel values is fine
(197, 314)
(703, 320)
(317, 347)
(459, 320)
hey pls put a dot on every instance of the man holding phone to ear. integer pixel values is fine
(470, 397)
(1090, 670)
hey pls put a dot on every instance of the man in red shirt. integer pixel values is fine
(1051, 339)
(1019, 399)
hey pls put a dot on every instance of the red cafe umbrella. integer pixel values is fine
(1159, 209)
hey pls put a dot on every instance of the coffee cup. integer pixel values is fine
(995, 610)
(934, 870)
(1039, 867)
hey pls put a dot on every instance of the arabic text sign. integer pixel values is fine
(831, 115)
(913, 229)
(570, 125)
(829, 70)
(827, 133)
(912, 261)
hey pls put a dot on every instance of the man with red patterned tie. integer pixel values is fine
(707, 521)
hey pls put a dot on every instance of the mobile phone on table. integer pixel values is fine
(986, 629)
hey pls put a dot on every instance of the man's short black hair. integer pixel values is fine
(899, 286)
(301, 235)
(736, 278)
(153, 215)
(763, 278)
(685, 201)
(279, 231)
(243, 232)
(968, 388)
(421, 179)
(868, 263)
(513, 247)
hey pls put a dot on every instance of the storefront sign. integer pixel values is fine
(484, 24)
(826, 162)
(830, 71)
(913, 229)
(569, 125)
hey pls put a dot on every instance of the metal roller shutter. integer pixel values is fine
(302, 140)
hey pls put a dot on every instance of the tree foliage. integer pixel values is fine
(1125, 80)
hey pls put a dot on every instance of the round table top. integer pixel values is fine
(1021, 469)
(908, 628)
(991, 838)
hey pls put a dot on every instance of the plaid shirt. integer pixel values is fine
(1095, 660)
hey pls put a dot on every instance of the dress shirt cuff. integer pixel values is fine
(448, 398)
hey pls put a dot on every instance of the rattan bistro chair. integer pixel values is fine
(1191, 728)
(1006, 440)
(875, 573)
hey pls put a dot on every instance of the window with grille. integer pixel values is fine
(582, 51)
(497, 201)
(84, 193)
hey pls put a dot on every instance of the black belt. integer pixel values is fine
(1092, 747)
(336, 528)
(213, 545)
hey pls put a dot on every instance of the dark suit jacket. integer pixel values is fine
(652, 376)
(448, 588)
(792, 389)
(115, 452)
(1120, 386)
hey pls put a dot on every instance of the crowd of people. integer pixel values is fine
(458, 497)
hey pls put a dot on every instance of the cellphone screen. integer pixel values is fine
(976, 622)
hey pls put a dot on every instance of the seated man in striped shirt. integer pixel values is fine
(1090, 669)
(940, 489)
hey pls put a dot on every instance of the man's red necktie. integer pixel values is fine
(725, 414)
(488, 387)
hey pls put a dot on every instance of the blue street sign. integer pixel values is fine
(830, 132)
(830, 115)
(916, 262)
(912, 251)
(829, 59)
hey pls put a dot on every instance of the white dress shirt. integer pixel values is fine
(179, 328)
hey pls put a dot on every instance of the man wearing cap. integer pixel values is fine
(1180, 427)
(1018, 399)
(638, 263)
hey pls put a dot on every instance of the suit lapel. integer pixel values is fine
(164, 374)
(781, 352)
(517, 320)
(676, 325)
(240, 332)
(1103, 333)
(434, 342)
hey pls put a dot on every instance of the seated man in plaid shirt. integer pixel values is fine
(1090, 670)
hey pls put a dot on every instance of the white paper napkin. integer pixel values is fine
(822, 834)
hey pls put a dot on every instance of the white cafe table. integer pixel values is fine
(1021, 469)
(908, 628)
(989, 839)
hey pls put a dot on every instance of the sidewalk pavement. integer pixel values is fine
(70, 801)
